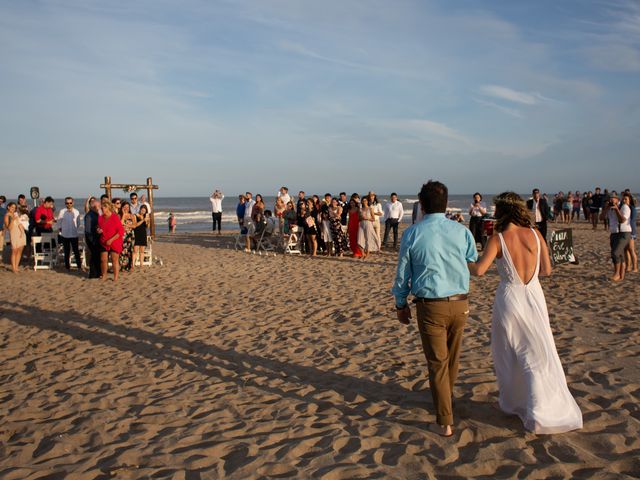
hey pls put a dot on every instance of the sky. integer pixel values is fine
(321, 96)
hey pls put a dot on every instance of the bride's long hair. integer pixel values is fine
(510, 208)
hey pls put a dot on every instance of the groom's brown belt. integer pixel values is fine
(452, 298)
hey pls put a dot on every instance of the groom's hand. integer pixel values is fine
(404, 314)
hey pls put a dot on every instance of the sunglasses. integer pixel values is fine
(68, 203)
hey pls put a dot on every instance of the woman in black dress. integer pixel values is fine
(140, 234)
(310, 215)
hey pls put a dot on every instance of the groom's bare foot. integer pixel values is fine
(442, 430)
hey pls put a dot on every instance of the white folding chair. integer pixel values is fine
(266, 240)
(44, 251)
(292, 241)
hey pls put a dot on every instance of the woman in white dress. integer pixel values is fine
(377, 215)
(368, 239)
(530, 378)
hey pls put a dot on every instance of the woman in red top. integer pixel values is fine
(111, 234)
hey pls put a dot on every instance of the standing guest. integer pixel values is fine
(23, 210)
(353, 227)
(631, 255)
(283, 194)
(128, 221)
(111, 234)
(339, 238)
(539, 212)
(432, 265)
(576, 205)
(248, 208)
(567, 205)
(325, 224)
(301, 200)
(140, 234)
(279, 209)
(606, 196)
(308, 213)
(11, 223)
(143, 201)
(134, 205)
(393, 213)
(596, 205)
(558, 200)
(3, 212)
(44, 217)
(68, 222)
(620, 233)
(256, 210)
(171, 222)
(240, 212)
(587, 200)
(342, 201)
(367, 237)
(216, 209)
(477, 210)
(91, 237)
(377, 215)
(117, 205)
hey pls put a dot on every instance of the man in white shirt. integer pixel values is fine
(134, 204)
(248, 222)
(283, 193)
(393, 213)
(68, 222)
(216, 209)
(620, 236)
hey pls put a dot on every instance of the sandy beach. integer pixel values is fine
(221, 364)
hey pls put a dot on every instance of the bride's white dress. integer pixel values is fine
(530, 377)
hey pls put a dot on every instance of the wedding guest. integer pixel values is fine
(308, 213)
(576, 205)
(631, 255)
(3, 212)
(432, 265)
(368, 239)
(339, 238)
(44, 217)
(283, 194)
(128, 221)
(17, 236)
(143, 201)
(393, 213)
(216, 209)
(68, 222)
(539, 211)
(140, 234)
(134, 205)
(111, 234)
(353, 227)
(248, 208)
(325, 224)
(567, 205)
(117, 205)
(620, 233)
(477, 210)
(290, 217)
(91, 236)
(596, 205)
(342, 201)
(587, 200)
(377, 215)
(240, 212)
(279, 209)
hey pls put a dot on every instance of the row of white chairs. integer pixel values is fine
(270, 240)
(47, 252)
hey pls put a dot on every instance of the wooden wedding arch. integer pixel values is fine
(132, 187)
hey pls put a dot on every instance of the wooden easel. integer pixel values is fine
(150, 187)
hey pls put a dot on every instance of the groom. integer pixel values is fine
(432, 265)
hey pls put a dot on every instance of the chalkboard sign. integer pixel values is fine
(561, 247)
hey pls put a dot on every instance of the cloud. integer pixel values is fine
(505, 93)
(509, 111)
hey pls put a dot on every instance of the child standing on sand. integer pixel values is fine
(171, 222)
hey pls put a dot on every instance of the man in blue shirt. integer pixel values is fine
(432, 266)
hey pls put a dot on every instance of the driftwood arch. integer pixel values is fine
(132, 187)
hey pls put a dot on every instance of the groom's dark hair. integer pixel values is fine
(433, 197)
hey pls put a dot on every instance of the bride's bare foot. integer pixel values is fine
(442, 430)
(616, 278)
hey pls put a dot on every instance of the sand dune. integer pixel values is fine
(220, 364)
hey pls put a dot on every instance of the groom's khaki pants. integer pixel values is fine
(441, 324)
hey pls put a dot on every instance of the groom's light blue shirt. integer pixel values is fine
(433, 258)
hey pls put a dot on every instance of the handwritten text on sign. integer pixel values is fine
(561, 246)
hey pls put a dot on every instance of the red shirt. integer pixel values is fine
(47, 223)
(111, 226)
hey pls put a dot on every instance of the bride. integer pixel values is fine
(530, 377)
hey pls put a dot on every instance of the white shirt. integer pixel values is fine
(393, 210)
(216, 203)
(285, 197)
(135, 209)
(477, 211)
(68, 222)
(536, 211)
(614, 226)
(248, 207)
(377, 208)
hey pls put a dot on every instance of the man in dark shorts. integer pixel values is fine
(596, 205)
